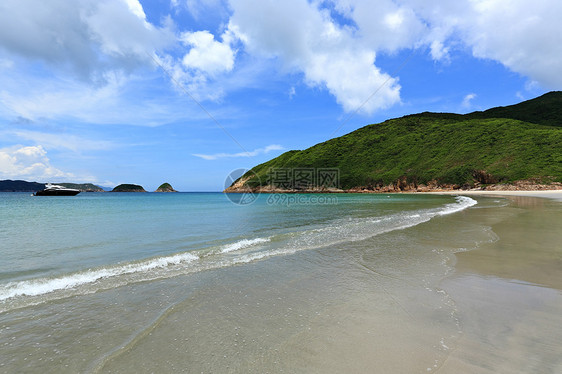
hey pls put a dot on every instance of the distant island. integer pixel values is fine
(128, 188)
(517, 147)
(24, 186)
(20, 186)
(165, 187)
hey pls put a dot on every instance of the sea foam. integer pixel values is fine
(42, 286)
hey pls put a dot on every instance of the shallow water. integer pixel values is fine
(194, 283)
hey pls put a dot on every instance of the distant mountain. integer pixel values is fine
(24, 186)
(519, 145)
(128, 188)
(20, 186)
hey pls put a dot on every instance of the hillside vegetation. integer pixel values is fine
(521, 142)
(165, 187)
(128, 188)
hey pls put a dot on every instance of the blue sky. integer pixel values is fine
(185, 91)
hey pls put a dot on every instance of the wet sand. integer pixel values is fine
(509, 292)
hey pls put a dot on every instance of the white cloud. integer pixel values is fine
(467, 101)
(88, 38)
(524, 36)
(82, 60)
(306, 38)
(331, 44)
(383, 25)
(30, 163)
(259, 151)
(206, 54)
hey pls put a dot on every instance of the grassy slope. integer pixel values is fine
(544, 110)
(448, 148)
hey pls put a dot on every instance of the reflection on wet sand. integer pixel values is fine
(509, 295)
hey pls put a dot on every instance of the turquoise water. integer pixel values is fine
(53, 247)
(192, 282)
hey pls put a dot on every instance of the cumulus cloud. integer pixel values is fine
(30, 163)
(331, 44)
(88, 37)
(207, 54)
(524, 36)
(383, 25)
(306, 39)
(80, 59)
(255, 152)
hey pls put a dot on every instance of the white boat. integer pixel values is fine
(56, 190)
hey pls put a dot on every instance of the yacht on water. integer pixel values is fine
(56, 190)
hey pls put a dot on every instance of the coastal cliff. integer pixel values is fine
(517, 147)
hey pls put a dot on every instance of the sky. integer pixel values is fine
(186, 91)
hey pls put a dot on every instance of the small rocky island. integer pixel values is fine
(165, 187)
(128, 188)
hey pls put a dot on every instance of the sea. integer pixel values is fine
(212, 282)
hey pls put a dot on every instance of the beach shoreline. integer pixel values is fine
(509, 291)
(546, 194)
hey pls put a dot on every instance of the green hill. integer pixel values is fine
(165, 187)
(543, 110)
(521, 142)
(128, 188)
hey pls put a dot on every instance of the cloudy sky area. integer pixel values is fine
(185, 91)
